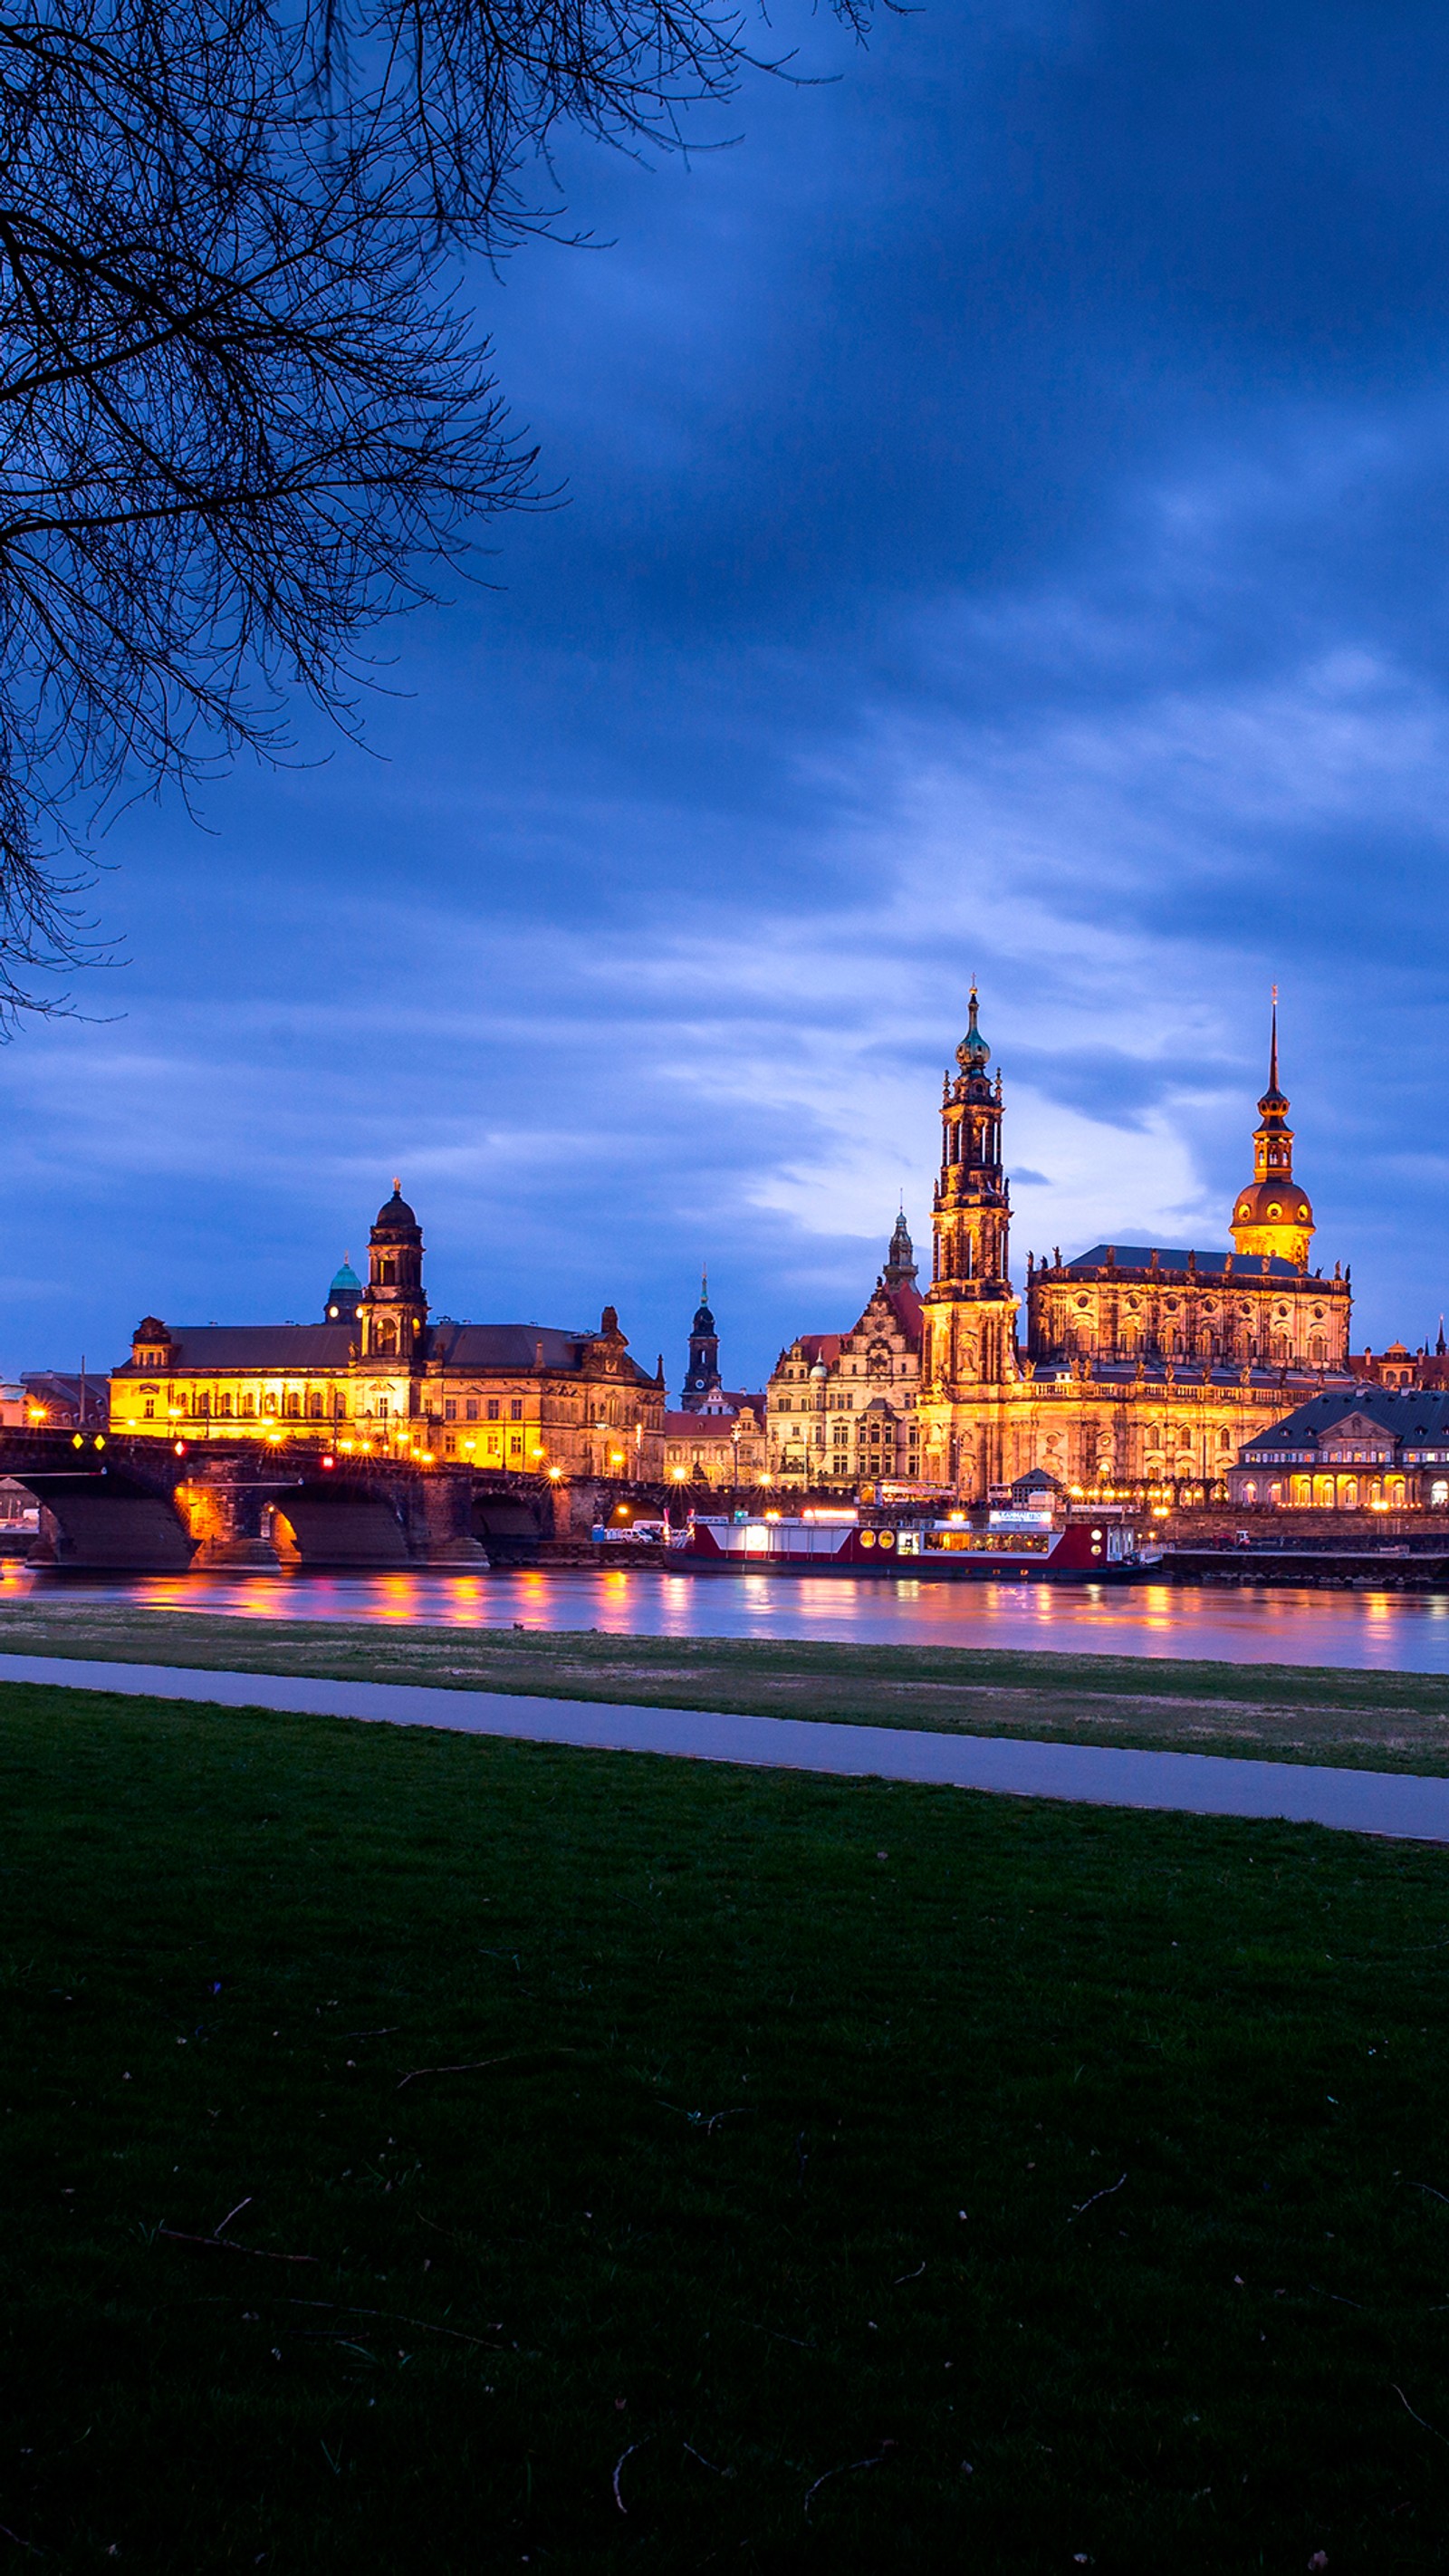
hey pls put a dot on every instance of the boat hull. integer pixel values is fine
(1081, 1552)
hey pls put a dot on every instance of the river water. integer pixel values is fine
(1366, 1631)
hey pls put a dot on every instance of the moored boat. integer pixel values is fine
(1082, 1546)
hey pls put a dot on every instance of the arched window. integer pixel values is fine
(1439, 1494)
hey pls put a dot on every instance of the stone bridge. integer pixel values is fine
(150, 1506)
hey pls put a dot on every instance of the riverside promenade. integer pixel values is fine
(1406, 1806)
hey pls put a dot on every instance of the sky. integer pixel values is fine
(1001, 523)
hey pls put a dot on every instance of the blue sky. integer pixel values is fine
(1005, 522)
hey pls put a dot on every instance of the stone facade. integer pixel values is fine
(1145, 1368)
(842, 1406)
(523, 1399)
(721, 1444)
(1134, 1366)
(1363, 1448)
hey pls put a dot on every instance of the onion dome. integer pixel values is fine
(973, 1054)
(1273, 1213)
(703, 1320)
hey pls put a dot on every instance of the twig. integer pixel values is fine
(224, 2245)
(845, 2470)
(390, 2032)
(707, 2120)
(1433, 2194)
(475, 2065)
(1320, 2293)
(909, 2276)
(394, 2316)
(224, 2223)
(1105, 2194)
(618, 2465)
(776, 2337)
(707, 2464)
(1428, 2428)
(7, 2534)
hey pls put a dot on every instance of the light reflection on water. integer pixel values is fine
(1390, 1631)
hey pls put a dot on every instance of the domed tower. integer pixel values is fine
(703, 1377)
(394, 1310)
(1274, 1214)
(344, 1297)
(970, 1308)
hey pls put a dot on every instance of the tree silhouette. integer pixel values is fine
(245, 410)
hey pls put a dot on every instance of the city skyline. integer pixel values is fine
(941, 588)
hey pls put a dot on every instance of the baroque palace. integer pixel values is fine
(1143, 1365)
(377, 1378)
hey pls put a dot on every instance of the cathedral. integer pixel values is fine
(1139, 1367)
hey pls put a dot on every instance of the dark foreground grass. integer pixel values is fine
(650, 2167)
(1279, 1712)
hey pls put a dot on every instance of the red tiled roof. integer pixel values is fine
(905, 1305)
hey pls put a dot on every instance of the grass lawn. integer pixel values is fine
(628, 2165)
(1379, 1721)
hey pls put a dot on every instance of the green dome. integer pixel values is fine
(973, 1053)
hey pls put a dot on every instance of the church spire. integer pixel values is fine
(900, 1269)
(702, 1378)
(1274, 1214)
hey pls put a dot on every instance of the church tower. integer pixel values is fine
(703, 1378)
(970, 1311)
(394, 1310)
(900, 1269)
(1274, 1214)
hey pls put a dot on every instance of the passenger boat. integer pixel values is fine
(1082, 1546)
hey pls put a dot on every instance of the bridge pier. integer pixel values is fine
(230, 1522)
(440, 1522)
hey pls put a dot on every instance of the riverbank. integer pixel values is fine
(1381, 1721)
(431, 2153)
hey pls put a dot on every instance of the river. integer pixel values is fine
(1365, 1631)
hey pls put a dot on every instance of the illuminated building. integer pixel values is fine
(1135, 1366)
(384, 1380)
(842, 1406)
(1363, 1448)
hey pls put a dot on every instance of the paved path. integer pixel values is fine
(1400, 1803)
